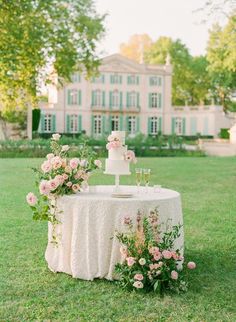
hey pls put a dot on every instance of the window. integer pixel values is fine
(178, 126)
(97, 125)
(97, 98)
(132, 99)
(75, 78)
(115, 99)
(132, 124)
(99, 79)
(132, 80)
(155, 100)
(48, 126)
(73, 124)
(74, 97)
(154, 125)
(116, 79)
(155, 81)
(115, 123)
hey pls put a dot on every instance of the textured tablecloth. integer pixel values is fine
(87, 248)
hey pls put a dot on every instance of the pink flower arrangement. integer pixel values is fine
(130, 156)
(31, 199)
(149, 260)
(113, 145)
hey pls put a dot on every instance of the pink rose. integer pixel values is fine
(130, 261)
(138, 284)
(69, 184)
(53, 184)
(31, 199)
(98, 163)
(74, 163)
(174, 255)
(46, 166)
(65, 176)
(153, 250)
(79, 174)
(191, 265)
(174, 275)
(138, 277)
(68, 169)
(75, 187)
(44, 187)
(130, 156)
(123, 250)
(167, 254)
(157, 256)
(83, 163)
(56, 162)
(59, 178)
(50, 156)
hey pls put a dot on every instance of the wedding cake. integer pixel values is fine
(119, 157)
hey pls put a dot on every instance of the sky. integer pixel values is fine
(172, 18)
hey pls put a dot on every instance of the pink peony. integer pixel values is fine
(138, 284)
(191, 265)
(74, 163)
(98, 163)
(31, 199)
(65, 176)
(59, 178)
(130, 156)
(157, 256)
(56, 137)
(113, 145)
(167, 254)
(56, 162)
(138, 277)
(53, 184)
(130, 261)
(50, 156)
(153, 250)
(174, 275)
(75, 187)
(174, 255)
(44, 187)
(46, 166)
(69, 184)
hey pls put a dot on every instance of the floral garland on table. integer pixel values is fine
(114, 142)
(60, 176)
(149, 261)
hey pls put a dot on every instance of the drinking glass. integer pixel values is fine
(138, 174)
(146, 175)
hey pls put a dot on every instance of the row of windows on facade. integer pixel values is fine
(118, 79)
(115, 99)
(101, 124)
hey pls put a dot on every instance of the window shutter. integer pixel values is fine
(137, 103)
(150, 81)
(110, 100)
(93, 98)
(121, 123)
(137, 124)
(92, 125)
(127, 99)
(205, 126)
(159, 100)
(109, 123)
(79, 97)
(173, 125)
(111, 79)
(69, 97)
(150, 100)
(79, 78)
(103, 124)
(42, 123)
(160, 124)
(53, 123)
(137, 80)
(121, 98)
(120, 79)
(149, 125)
(184, 125)
(103, 99)
(103, 79)
(68, 123)
(128, 80)
(127, 124)
(160, 81)
(80, 123)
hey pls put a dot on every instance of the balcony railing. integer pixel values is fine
(133, 109)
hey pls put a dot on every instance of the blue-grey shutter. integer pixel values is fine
(42, 123)
(93, 102)
(111, 79)
(128, 79)
(127, 99)
(92, 125)
(184, 125)
(109, 123)
(103, 79)
(103, 124)
(159, 100)
(137, 80)
(110, 100)
(80, 123)
(137, 103)
(79, 97)
(69, 97)
(103, 98)
(121, 99)
(120, 79)
(193, 125)
(173, 125)
(150, 99)
(121, 123)
(149, 125)
(160, 81)
(137, 124)
(160, 124)
(68, 123)
(53, 123)
(127, 124)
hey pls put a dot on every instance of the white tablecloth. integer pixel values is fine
(87, 248)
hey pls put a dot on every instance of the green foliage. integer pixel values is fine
(36, 118)
(224, 133)
(38, 37)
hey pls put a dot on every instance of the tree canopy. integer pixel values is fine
(39, 34)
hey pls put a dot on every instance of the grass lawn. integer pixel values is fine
(30, 292)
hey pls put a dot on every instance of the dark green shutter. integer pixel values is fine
(160, 124)
(137, 124)
(103, 99)
(80, 123)
(79, 97)
(127, 99)
(173, 125)
(69, 97)
(42, 123)
(121, 99)
(149, 125)
(68, 123)
(93, 102)
(184, 125)
(150, 100)
(121, 123)
(159, 100)
(53, 123)
(110, 100)
(137, 104)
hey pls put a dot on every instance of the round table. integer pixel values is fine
(87, 247)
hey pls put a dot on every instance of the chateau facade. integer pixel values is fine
(126, 96)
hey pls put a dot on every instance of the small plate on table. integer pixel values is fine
(121, 195)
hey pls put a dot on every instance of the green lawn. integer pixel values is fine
(30, 292)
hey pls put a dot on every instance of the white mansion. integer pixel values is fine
(126, 96)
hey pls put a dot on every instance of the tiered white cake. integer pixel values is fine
(116, 163)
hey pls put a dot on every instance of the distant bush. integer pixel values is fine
(224, 134)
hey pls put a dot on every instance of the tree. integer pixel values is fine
(136, 47)
(221, 55)
(39, 34)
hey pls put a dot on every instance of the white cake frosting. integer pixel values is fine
(116, 163)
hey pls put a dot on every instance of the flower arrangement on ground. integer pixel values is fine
(60, 176)
(149, 260)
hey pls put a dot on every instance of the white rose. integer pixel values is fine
(98, 163)
(56, 137)
(65, 148)
(142, 261)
